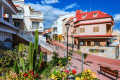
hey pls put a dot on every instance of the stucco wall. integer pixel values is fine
(89, 29)
(109, 52)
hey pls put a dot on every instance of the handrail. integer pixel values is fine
(25, 35)
(46, 45)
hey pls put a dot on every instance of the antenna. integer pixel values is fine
(90, 7)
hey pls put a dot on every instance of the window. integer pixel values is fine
(95, 29)
(95, 15)
(96, 43)
(84, 16)
(74, 31)
(82, 43)
(74, 42)
(82, 30)
(35, 25)
(17, 24)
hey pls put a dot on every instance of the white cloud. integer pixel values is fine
(53, 14)
(49, 1)
(71, 6)
(117, 17)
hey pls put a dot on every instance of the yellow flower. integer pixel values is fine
(93, 75)
(89, 71)
(77, 78)
(52, 76)
(82, 78)
(63, 67)
(69, 58)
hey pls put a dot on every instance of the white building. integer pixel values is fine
(18, 19)
(57, 26)
(33, 20)
(27, 19)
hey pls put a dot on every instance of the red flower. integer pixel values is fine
(67, 71)
(64, 71)
(30, 71)
(74, 72)
(36, 75)
(25, 74)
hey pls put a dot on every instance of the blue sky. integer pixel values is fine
(63, 7)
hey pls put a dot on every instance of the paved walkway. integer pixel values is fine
(92, 62)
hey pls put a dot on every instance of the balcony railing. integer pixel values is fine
(26, 36)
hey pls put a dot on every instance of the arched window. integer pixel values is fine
(8, 42)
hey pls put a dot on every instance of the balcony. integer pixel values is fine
(7, 24)
(36, 15)
(18, 16)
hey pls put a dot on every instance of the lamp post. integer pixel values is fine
(67, 26)
(72, 40)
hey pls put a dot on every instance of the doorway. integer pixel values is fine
(88, 43)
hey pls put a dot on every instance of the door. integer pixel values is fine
(88, 43)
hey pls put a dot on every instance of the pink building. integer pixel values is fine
(92, 28)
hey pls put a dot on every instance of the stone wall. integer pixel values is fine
(109, 52)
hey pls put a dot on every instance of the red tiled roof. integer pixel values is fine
(63, 19)
(18, 6)
(47, 31)
(89, 15)
(93, 36)
(71, 18)
(94, 23)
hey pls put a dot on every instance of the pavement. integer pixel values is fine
(93, 62)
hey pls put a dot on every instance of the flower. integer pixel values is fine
(93, 75)
(25, 74)
(36, 75)
(88, 71)
(30, 71)
(67, 71)
(74, 72)
(52, 76)
(77, 78)
(69, 58)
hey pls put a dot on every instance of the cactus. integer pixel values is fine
(40, 59)
(31, 57)
(22, 63)
(35, 51)
(16, 68)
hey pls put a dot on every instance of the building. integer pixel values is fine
(48, 33)
(92, 29)
(115, 38)
(69, 20)
(18, 19)
(7, 29)
(57, 27)
(33, 20)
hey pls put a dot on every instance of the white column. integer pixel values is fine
(10, 18)
(1, 12)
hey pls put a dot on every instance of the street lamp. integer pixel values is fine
(67, 26)
(72, 39)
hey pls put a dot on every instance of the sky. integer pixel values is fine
(52, 9)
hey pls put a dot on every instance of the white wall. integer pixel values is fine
(58, 23)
